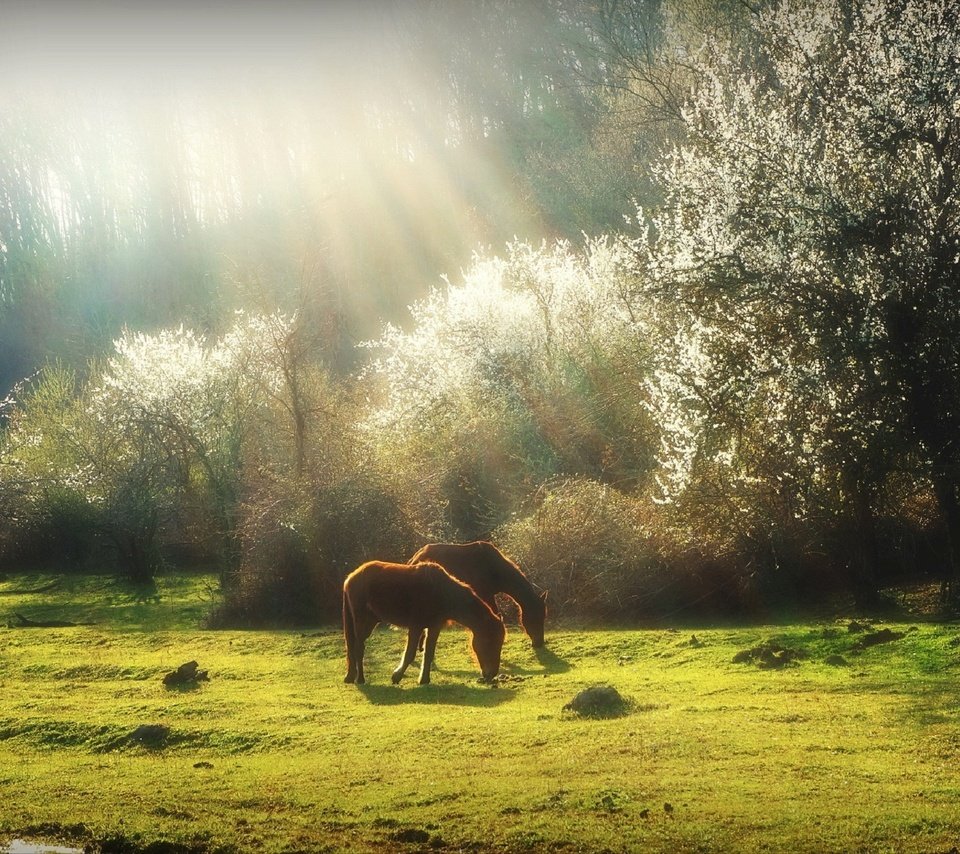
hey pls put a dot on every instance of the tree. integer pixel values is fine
(808, 242)
(195, 404)
(159, 432)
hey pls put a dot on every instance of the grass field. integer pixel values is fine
(275, 754)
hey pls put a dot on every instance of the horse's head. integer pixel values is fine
(487, 645)
(533, 617)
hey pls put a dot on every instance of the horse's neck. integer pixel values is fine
(469, 609)
(514, 584)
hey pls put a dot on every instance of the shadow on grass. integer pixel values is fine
(551, 662)
(182, 687)
(130, 592)
(481, 696)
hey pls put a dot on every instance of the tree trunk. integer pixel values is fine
(946, 492)
(865, 553)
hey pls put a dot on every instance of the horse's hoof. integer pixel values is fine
(424, 682)
(349, 679)
(395, 678)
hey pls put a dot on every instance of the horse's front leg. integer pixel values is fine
(429, 648)
(409, 653)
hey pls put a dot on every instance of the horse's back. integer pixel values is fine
(480, 564)
(398, 593)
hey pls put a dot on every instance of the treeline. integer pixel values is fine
(747, 394)
(397, 139)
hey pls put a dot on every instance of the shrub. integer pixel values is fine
(299, 540)
(584, 543)
(56, 525)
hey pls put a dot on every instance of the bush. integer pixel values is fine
(58, 525)
(299, 544)
(605, 555)
(527, 370)
(273, 586)
(585, 545)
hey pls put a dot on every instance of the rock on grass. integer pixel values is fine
(598, 701)
(152, 736)
(186, 675)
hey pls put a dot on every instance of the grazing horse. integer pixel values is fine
(421, 597)
(489, 572)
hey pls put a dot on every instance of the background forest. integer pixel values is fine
(662, 296)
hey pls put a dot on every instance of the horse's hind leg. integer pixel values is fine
(356, 630)
(366, 622)
(409, 653)
(429, 648)
(350, 640)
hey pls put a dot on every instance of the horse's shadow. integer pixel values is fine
(550, 663)
(481, 696)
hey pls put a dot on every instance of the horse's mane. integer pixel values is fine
(512, 568)
(499, 556)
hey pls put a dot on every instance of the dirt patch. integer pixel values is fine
(125, 845)
(151, 736)
(411, 836)
(876, 638)
(770, 655)
(509, 678)
(20, 622)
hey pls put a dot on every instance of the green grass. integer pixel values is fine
(276, 754)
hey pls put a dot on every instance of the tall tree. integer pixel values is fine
(811, 220)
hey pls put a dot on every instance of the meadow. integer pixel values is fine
(812, 740)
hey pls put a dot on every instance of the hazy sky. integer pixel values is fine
(64, 41)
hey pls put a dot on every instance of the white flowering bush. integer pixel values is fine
(158, 429)
(528, 368)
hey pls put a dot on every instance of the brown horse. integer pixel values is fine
(421, 597)
(489, 572)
